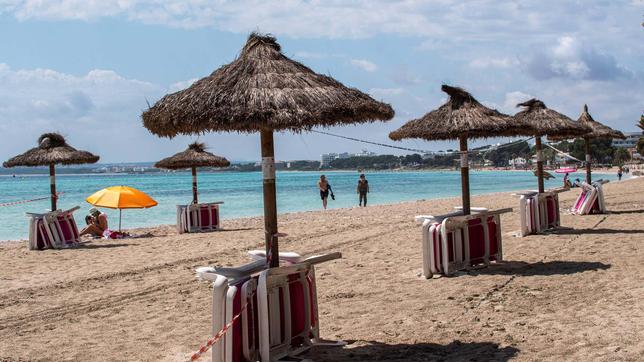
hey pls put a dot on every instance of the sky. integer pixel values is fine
(88, 68)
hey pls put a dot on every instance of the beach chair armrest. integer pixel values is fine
(242, 270)
(72, 209)
(557, 190)
(317, 259)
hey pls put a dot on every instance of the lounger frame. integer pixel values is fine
(446, 241)
(190, 218)
(590, 199)
(53, 230)
(539, 211)
(264, 329)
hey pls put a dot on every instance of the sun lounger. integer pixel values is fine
(591, 199)
(277, 308)
(198, 217)
(53, 230)
(454, 241)
(539, 211)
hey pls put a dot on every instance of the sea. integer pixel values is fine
(241, 192)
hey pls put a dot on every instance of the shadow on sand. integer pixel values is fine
(596, 231)
(640, 211)
(99, 246)
(377, 351)
(546, 269)
(238, 229)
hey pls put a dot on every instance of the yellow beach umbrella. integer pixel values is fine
(121, 197)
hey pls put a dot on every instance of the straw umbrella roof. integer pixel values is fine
(195, 156)
(547, 122)
(262, 89)
(598, 130)
(461, 115)
(52, 148)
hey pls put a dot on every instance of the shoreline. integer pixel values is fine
(163, 172)
(456, 199)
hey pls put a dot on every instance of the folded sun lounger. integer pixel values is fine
(539, 211)
(591, 199)
(198, 217)
(277, 308)
(53, 230)
(454, 241)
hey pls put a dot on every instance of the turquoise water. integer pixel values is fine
(242, 192)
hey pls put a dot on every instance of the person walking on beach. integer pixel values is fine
(323, 185)
(619, 173)
(566, 181)
(363, 190)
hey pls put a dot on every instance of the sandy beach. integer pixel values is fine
(573, 295)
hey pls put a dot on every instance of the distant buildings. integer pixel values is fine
(629, 142)
(123, 169)
(518, 162)
(363, 153)
(326, 158)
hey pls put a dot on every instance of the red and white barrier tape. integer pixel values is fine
(223, 331)
(218, 336)
(26, 201)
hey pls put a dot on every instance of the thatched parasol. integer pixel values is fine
(597, 130)
(195, 156)
(547, 122)
(52, 149)
(263, 91)
(462, 117)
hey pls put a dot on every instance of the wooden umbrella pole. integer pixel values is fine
(194, 185)
(539, 164)
(465, 176)
(52, 185)
(588, 163)
(270, 197)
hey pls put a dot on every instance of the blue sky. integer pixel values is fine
(87, 68)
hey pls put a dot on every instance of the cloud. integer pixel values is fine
(175, 87)
(512, 99)
(309, 55)
(98, 107)
(365, 65)
(405, 76)
(384, 92)
(297, 18)
(570, 58)
(491, 62)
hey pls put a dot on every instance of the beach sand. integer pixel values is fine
(574, 295)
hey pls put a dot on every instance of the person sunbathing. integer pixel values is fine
(96, 223)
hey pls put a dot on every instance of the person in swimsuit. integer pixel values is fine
(323, 185)
(566, 181)
(96, 223)
(363, 190)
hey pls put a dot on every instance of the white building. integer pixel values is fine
(518, 162)
(629, 142)
(326, 158)
(364, 153)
